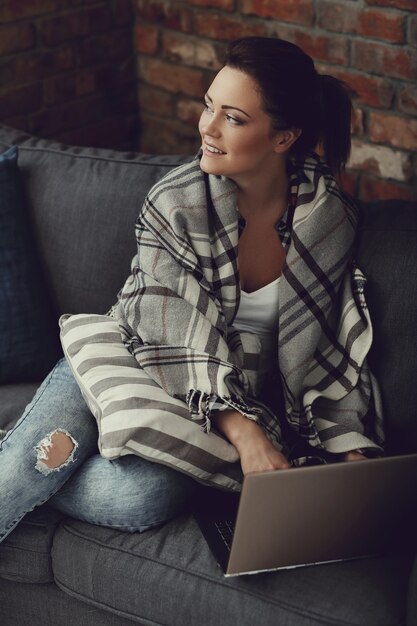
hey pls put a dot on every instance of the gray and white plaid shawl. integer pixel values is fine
(177, 307)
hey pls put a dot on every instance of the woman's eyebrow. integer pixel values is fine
(228, 106)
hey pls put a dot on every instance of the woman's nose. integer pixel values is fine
(211, 127)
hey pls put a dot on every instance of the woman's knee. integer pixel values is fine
(55, 451)
(152, 497)
(129, 493)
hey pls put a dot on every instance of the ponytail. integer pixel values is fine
(335, 114)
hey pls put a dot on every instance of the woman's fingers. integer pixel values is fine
(264, 461)
(354, 456)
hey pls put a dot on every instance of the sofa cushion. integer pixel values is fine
(46, 605)
(25, 555)
(388, 256)
(168, 576)
(29, 344)
(13, 400)
(412, 596)
(83, 203)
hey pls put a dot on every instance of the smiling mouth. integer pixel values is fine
(213, 150)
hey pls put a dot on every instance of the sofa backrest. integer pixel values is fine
(83, 203)
(387, 253)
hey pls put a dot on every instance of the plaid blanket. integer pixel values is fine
(176, 309)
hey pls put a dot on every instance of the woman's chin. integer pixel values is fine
(210, 167)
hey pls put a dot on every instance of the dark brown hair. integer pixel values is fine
(296, 96)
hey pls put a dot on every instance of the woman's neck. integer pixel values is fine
(264, 196)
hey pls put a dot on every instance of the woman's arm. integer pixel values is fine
(257, 453)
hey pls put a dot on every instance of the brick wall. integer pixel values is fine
(371, 44)
(67, 70)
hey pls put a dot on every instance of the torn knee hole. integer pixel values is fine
(55, 451)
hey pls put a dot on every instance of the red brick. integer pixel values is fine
(72, 26)
(16, 37)
(323, 48)
(298, 11)
(413, 30)
(71, 4)
(389, 26)
(156, 101)
(104, 48)
(67, 87)
(146, 39)
(114, 77)
(183, 49)
(358, 122)
(172, 78)
(175, 137)
(224, 5)
(377, 189)
(22, 69)
(408, 5)
(12, 10)
(400, 132)
(21, 101)
(69, 115)
(113, 132)
(371, 90)
(349, 182)
(339, 17)
(178, 48)
(166, 14)
(380, 160)
(189, 111)
(283, 30)
(408, 100)
(381, 59)
(122, 12)
(377, 92)
(225, 28)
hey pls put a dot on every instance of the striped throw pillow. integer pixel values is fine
(134, 415)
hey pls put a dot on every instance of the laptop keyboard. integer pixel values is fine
(226, 528)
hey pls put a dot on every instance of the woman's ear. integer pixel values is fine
(285, 139)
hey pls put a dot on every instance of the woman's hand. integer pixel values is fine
(354, 456)
(257, 453)
(260, 454)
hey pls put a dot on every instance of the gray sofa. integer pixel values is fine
(57, 571)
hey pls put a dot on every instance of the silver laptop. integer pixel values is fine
(311, 515)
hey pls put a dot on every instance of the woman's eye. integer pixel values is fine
(233, 120)
(230, 118)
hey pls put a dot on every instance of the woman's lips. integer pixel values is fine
(209, 153)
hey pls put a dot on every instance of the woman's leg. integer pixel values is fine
(130, 493)
(54, 436)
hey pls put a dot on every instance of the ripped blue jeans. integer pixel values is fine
(129, 493)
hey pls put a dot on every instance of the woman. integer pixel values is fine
(255, 225)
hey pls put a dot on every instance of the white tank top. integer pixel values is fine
(258, 313)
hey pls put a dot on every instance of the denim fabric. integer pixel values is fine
(129, 493)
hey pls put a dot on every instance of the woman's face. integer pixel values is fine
(237, 137)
